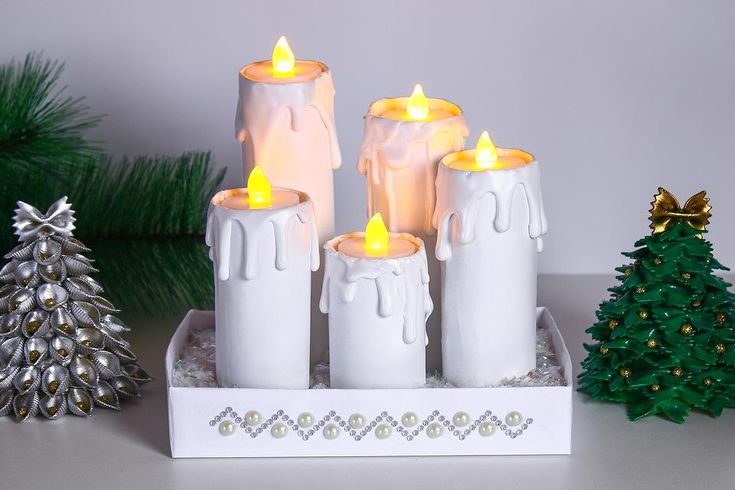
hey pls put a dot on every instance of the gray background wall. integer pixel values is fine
(614, 98)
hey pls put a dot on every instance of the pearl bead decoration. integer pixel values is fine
(357, 426)
(252, 417)
(409, 419)
(279, 430)
(461, 419)
(305, 420)
(486, 429)
(356, 420)
(513, 418)
(331, 431)
(434, 430)
(383, 431)
(227, 427)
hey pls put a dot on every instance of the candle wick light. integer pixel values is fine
(376, 236)
(418, 105)
(259, 189)
(283, 59)
(486, 154)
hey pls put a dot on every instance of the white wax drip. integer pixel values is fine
(459, 193)
(259, 102)
(392, 280)
(252, 223)
(384, 148)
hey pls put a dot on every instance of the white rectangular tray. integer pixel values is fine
(196, 415)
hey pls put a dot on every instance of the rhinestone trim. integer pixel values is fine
(370, 425)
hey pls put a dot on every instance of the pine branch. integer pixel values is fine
(41, 142)
(143, 218)
(40, 127)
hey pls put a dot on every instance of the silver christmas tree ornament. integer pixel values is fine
(61, 348)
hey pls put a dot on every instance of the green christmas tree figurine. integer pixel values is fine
(666, 337)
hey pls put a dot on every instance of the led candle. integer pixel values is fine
(404, 140)
(263, 243)
(285, 123)
(376, 293)
(489, 219)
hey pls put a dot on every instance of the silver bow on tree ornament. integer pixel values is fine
(30, 222)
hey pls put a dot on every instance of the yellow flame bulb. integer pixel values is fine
(486, 155)
(283, 59)
(376, 236)
(259, 189)
(418, 105)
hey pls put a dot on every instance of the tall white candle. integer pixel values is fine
(285, 123)
(490, 219)
(399, 156)
(377, 305)
(263, 257)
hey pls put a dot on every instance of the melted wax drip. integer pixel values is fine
(392, 278)
(384, 150)
(459, 194)
(259, 103)
(219, 236)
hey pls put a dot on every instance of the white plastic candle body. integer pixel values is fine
(377, 315)
(287, 127)
(489, 226)
(263, 259)
(399, 157)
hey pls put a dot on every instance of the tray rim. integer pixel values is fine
(190, 407)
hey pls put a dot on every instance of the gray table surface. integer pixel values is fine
(130, 449)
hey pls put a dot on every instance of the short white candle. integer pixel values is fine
(376, 293)
(490, 218)
(264, 245)
(404, 139)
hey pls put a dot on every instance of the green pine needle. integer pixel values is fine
(144, 218)
(144, 197)
(40, 127)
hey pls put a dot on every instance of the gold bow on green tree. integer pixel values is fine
(666, 211)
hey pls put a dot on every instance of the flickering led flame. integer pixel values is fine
(259, 189)
(486, 155)
(418, 105)
(283, 59)
(376, 236)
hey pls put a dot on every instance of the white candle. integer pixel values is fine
(403, 142)
(490, 218)
(285, 123)
(376, 293)
(264, 246)
(400, 154)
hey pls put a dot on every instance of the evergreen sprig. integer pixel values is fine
(40, 126)
(143, 217)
